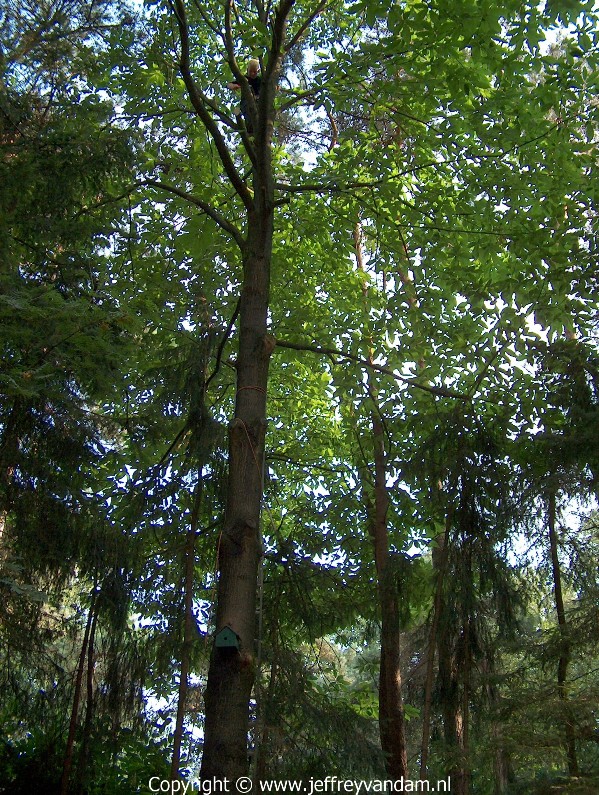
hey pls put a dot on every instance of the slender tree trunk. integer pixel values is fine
(68, 754)
(450, 706)
(501, 761)
(263, 730)
(501, 766)
(391, 708)
(440, 566)
(231, 673)
(189, 627)
(465, 774)
(564, 658)
(84, 756)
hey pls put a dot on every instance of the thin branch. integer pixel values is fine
(174, 443)
(307, 466)
(306, 24)
(480, 377)
(268, 10)
(223, 222)
(223, 342)
(109, 200)
(278, 32)
(228, 38)
(207, 21)
(259, 6)
(200, 102)
(298, 96)
(335, 187)
(332, 187)
(439, 391)
(334, 131)
(240, 79)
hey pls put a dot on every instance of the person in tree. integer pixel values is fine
(254, 79)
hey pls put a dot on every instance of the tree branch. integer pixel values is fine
(206, 19)
(333, 187)
(480, 377)
(200, 102)
(259, 6)
(297, 96)
(434, 390)
(223, 342)
(230, 47)
(240, 79)
(223, 222)
(278, 31)
(306, 24)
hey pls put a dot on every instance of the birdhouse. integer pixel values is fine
(227, 639)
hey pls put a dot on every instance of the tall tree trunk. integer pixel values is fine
(453, 726)
(189, 627)
(263, 729)
(440, 567)
(502, 771)
(231, 673)
(465, 768)
(450, 704)
(83, 772)
(67, 763)
(564, 657)
(391, 708)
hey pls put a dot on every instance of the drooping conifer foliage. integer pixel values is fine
(298, 405)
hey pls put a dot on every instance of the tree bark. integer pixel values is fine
(451, 711)
(465, 765)
(440, 566)
(565, 651)
(391, 708)
(84, 756)
(189, 628)
(502, 771)
(68, 754)
(231, 672)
